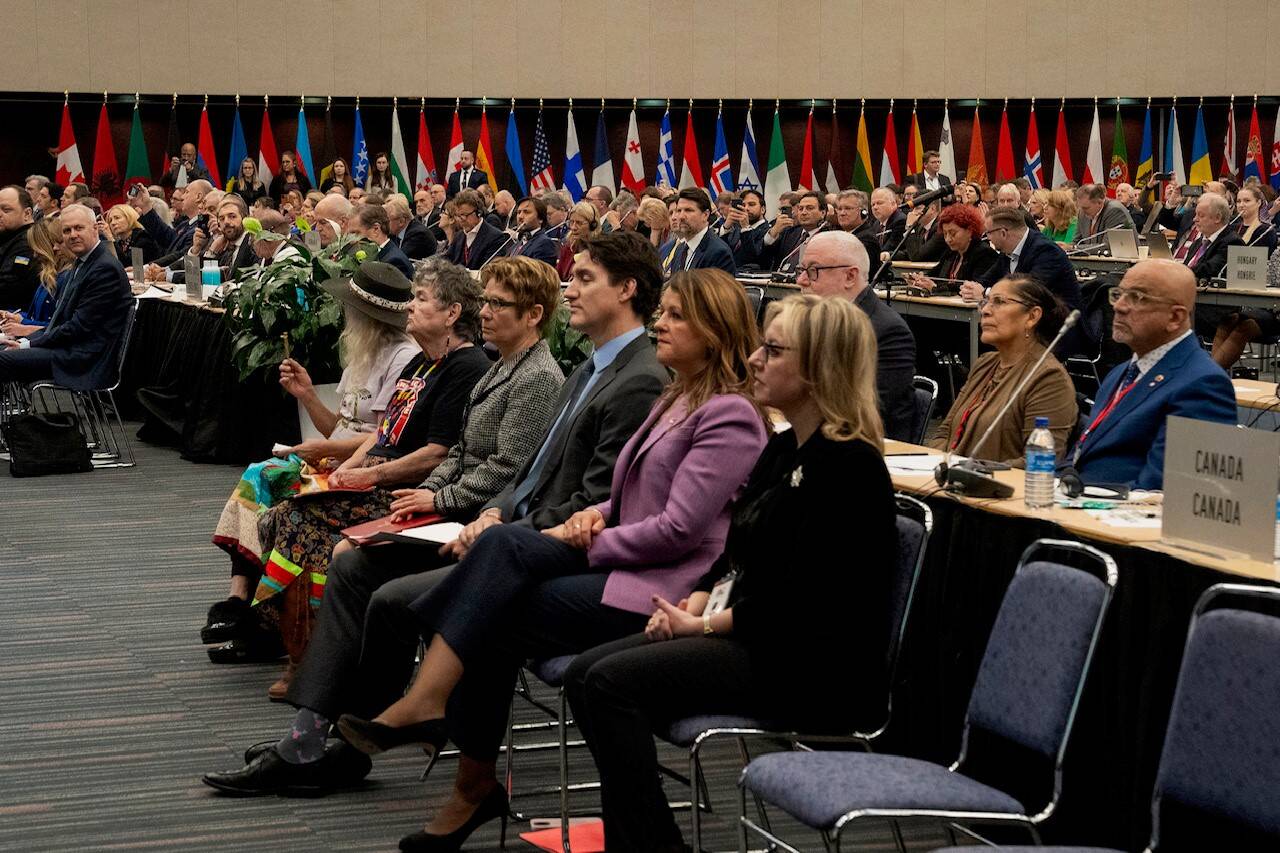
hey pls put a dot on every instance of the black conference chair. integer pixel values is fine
(1027, 690)
(1219, 763)
(925, 394)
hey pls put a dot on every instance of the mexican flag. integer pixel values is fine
(778, 179)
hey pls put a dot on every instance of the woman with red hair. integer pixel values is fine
(967, 257)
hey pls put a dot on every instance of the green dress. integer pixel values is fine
(1067, 235)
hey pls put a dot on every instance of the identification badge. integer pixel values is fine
(21, 261)
(720, 593)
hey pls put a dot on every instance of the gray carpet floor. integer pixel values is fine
(110, 711)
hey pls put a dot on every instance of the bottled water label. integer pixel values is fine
(1040, 461)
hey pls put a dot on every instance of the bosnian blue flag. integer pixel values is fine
(666, 176)
(721, 176)
(239, 151)
(359, 154)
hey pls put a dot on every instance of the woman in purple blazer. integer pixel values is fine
(521, 593)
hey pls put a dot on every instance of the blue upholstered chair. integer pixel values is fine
(1027, 690)
(1220, 749)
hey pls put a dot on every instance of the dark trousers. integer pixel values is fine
(25, 365)
(621, 692)
(361, 652)
(561, 616)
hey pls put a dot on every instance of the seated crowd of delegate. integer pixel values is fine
(600, 508)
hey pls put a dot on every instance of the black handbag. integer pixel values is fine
(46, 444)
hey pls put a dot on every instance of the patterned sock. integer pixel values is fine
(306, 738)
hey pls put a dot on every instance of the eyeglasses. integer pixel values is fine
(772, 350)
(458, 214)
(496, 304)
(812, 270)
(1000, 302)
(1136, 298)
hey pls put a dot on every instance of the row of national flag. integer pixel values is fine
(109, 184)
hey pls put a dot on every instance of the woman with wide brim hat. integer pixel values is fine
(375, 349)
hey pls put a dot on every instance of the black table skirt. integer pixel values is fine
(180, 360)
(1110, 764)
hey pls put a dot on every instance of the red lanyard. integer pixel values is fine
(1115, 401)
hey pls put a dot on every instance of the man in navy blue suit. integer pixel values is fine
(1027, 252)
(477, 242)
(78, 348)
(466, 176)
(694, 245)
(1169, 374)
(531, 238)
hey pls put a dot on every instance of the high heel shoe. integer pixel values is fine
(494, 804)
(372, 737)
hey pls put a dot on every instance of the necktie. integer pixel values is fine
(1193, 236)
(524, 491)
(682, 256)
(1202, 245)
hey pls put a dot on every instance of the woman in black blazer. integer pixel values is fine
(797, 621)
(967, 258)
(1250, 203)
(1236, 329)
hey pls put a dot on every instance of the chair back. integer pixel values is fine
(1037, 657)
(1220, 749)
(122, 350)
(924, 395)
(755, 295)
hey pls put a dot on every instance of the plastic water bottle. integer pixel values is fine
(1041, 458)
(1278, 527)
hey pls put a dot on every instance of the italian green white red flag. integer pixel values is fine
(777, 179)
(399, 163)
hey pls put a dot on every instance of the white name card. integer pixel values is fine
(1247, 267)
(1220, 487)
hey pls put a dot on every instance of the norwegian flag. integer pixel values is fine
(1034, 168)
(543, 180)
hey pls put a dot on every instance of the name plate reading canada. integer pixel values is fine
(1220, 487)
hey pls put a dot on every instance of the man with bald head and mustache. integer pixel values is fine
(1169, 374)
(78, 347)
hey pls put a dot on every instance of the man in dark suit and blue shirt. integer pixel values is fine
(792, 229)
(466, 176)
(695, 245)
(531, 236)
(415, 239)
(370, 222)
(360, 652)
(78, 348)
(1169, 374)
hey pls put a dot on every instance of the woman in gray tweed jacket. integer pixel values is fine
(511, 406)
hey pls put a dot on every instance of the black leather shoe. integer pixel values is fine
(268, 773)
(495, 804)
(261, 648)
(257, 749)
(371, 737)
(227, 620)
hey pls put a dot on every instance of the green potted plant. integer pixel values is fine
(285, 299)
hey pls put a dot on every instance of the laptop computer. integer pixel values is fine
(1122, 244)
(1158, 246)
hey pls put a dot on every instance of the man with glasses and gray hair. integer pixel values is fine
(835, 264)
(1169, 374)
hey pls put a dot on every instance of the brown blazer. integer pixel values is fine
(1049, 394)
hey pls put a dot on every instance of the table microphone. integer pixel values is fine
(972, 477)
(1079, 249)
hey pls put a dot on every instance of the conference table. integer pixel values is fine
(1257, 405)
(179, 380)
(1110, 764)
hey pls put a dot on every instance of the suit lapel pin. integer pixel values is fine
(797, 476)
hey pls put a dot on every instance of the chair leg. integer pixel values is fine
(564, 771)
(745, 755)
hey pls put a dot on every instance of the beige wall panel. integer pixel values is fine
(924, 69)
(964, 74)
(652, 48)
(449, 56)
(883, 31)
(755, 49)
(841, 52)
(713, 69)
(1007, 43)
(538, 75)
(406, 46)
(798, 75)
(63, 28)
(626, 33)
(672, 34)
